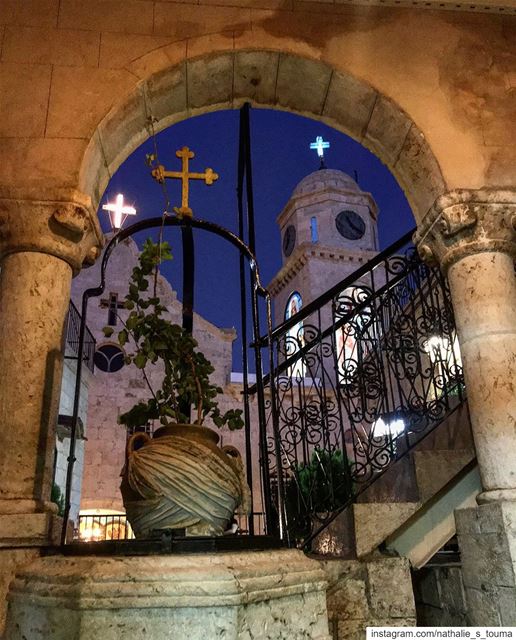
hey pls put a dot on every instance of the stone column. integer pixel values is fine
(472, 234)
(42, 244)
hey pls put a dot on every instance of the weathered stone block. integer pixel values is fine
(255, 75)
(123, 129)
(451, 589)
(417, 167)
(266, 595)
(117, 50)
(125, 16)
(486, 560)
(23, 107)
(348, 600)
(387, 129)
(350, 102)
(29, 529)
(192, 21)
(166, 92)
(294, 76)
(482, 609)
(506, 601)
(466, 521)
(37, 13)
(67, 116)
(428, 588)
(50, 46)
(374, 522)
(384, 601)
(210, 81)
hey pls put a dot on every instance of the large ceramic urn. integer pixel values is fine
(181, 479)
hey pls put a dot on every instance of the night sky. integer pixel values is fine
(281, 158)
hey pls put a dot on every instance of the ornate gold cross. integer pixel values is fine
(209, 177)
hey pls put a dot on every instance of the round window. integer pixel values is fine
(109, 358)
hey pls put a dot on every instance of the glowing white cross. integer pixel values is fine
(320, 145)
(118, 212)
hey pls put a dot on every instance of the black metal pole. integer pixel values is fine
(262, 417)
(75, 418)
(188, 289)
(246, 130)
(243, 321)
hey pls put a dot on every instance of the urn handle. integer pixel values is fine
(235, 459)
(135, 442)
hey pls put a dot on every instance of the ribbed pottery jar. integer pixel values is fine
(181, 479)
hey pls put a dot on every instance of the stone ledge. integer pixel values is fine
(266, 595)
(29, 530)
(168, 581)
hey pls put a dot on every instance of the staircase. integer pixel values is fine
(367, 426)
(408, 511)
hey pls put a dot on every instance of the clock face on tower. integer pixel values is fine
(350, 225)
(289, 240)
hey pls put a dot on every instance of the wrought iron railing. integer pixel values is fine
(73, 325)
(360, 376)
(100, 527)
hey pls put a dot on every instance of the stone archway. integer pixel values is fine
(266, 79)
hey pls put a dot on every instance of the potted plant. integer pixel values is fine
(178, 478)
(316, 489)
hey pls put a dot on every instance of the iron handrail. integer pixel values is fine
(326, 297)
(73, 323)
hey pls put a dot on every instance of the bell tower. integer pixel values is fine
(328, 230)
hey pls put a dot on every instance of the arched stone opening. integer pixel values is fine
(267, 79)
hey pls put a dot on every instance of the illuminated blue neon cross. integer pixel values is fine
(320, 145)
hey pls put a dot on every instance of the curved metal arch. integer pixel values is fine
(150, 223)
(173, 221)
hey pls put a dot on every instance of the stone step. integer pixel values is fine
(376, 521)
(433, 525)
(435, 469)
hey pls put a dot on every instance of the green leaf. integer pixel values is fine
(140, 360)
(108, 331)
(122, 337)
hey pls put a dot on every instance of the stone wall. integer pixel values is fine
(487, 542)
(66, 402)
(361, 593)
(440, 597)
(413, 84)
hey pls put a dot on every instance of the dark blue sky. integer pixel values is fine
(281, 158)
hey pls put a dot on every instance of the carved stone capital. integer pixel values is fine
(67, 229)
(465, 222)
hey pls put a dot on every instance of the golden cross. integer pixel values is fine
(209, 177)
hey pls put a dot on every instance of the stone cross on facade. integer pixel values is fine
(112, 304)
(118, 212)
(320, 145)
(209, 177)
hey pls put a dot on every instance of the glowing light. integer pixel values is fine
(320, 145)
(118, 212)
(392, 428)
(91, 533)
(436, 347)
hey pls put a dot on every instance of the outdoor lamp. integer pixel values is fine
(389, 424)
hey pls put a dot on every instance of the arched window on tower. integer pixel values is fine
(355, 338)
(314, 234)
(295, 336)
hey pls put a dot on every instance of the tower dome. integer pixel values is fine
(326, 180)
